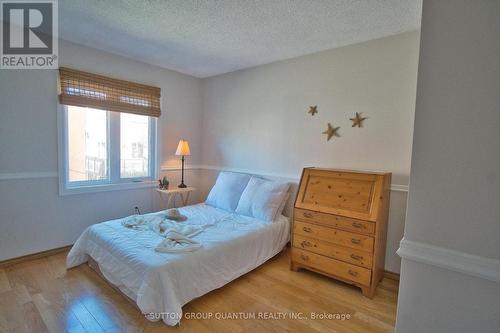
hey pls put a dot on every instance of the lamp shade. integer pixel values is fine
(183, 148)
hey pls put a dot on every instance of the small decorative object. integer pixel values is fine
(183, 150)
(174, 214)
(163, 183)
(331, 131)
(313, 110)
(358, 120)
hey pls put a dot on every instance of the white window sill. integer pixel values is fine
(107, 187)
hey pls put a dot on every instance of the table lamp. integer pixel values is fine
(183, 150)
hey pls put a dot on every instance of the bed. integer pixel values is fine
(161, 283)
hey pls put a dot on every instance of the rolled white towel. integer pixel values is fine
(133, 221)
(175, 242)
(175, 215)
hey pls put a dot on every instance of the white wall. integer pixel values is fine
(33, 217)
(253, 120)
(454, 199)
(256, 120)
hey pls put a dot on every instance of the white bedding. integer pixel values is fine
(162, 283)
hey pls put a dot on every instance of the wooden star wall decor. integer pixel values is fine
(358, 120)
(313, 110)
(331, 131)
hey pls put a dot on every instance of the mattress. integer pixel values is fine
(161, 283)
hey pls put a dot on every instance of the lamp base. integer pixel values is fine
(182, 185)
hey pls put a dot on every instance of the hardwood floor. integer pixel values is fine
(41, 296)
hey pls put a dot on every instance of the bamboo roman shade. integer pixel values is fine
(95, 91)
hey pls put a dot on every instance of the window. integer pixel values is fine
(134, 145)
(107, 132)
(87, 145)
(107, 148)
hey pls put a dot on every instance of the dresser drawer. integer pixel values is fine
(331, 266)
(343, 253)
(332, 235)
(335, 221)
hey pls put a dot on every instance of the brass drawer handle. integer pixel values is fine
(353, 273)
(305, 243)
(308, 215)
(356, 257)
(304, 257)
(357, 225)
(355, 241)
(307, 229)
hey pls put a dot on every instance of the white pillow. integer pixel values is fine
(227, 190)
(283, 204)
(262, 198)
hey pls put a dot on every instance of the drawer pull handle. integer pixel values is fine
(308, 215)
(304, 257)
(357, 225)
(305, 243)
(356, 257)
(353, 273)
(355, 241)
(307, 229)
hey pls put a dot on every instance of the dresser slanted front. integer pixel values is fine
(340, 225)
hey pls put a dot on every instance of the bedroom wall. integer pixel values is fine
(33, 216)
(256, 120)
(450, 279)
(230, 120)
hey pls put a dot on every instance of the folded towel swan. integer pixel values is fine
(176, 242)
(177, 235)
(164, 227)
(175, 215)
(134, 222)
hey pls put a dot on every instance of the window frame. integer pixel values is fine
(114, 181)
(151, 152)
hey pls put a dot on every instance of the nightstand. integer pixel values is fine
(167, 197)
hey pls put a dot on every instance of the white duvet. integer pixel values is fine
(161, 283)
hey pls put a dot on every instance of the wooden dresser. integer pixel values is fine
(340, 225)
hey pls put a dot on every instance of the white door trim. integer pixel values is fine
(485, 268)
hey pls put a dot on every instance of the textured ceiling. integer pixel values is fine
(209, 37)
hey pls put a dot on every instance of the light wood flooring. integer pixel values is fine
(41, 296)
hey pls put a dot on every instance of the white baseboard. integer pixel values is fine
(485, 268)
(27, 175)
